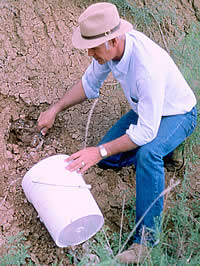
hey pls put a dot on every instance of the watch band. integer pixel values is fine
(103, 151)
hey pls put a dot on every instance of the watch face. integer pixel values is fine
(103, 151)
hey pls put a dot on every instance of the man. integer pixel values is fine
(162, 115)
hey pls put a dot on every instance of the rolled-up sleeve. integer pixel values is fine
(150, 109)
(93, 78)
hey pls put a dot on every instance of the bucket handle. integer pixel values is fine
(57, 185)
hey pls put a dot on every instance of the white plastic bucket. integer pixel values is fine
(63, 201)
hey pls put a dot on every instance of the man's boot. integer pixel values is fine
(135, 254)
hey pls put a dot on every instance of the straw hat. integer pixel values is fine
(99, 23)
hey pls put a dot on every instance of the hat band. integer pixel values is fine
(105, 34)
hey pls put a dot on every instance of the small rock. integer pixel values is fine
(9, 155)
(75, 136)
(15, 148)
(196, 6)
(16, 158)
(35, 141)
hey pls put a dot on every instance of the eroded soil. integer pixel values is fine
(37, 65)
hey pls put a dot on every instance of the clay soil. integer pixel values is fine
(37, 65)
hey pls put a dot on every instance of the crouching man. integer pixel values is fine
(162, 115)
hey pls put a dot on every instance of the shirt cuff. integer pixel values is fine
(90, 93)
(137, 135)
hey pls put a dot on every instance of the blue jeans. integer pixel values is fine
(148, 161)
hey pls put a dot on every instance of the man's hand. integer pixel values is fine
(72, 97)
(83, 159)
(46, 120)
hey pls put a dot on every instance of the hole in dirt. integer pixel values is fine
(22, 132)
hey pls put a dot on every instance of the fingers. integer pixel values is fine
(45, 121)
(73, 157)
(77, 163)
(41, 125)
(44, 131)
(84, 159)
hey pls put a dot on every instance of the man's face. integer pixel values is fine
(101, 53)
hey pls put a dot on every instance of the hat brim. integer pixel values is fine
(81, 43)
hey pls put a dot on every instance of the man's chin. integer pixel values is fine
(100, 61)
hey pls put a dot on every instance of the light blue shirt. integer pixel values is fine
(152, 84)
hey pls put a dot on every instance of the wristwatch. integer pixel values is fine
(103, 151)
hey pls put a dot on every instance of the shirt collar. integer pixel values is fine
(123, 65)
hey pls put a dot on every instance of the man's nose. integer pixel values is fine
(90, 52)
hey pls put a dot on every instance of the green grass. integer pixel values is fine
(17, 252)
(143, 15)
(187, 56)
(179, 240)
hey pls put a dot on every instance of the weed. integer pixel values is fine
(17, 253)
(145, 15)
(179, 241)
(187, 56)
(142, 15)
(70, 257)
(183, 241)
